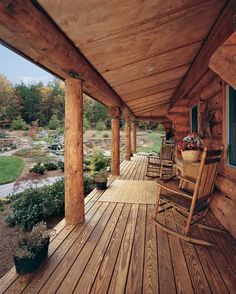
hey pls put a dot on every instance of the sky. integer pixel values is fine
(17, 69)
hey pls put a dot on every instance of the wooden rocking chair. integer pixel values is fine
(163, 166)
(193, 206)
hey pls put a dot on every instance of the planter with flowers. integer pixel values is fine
(31, 249)
(190, 147)
(101, 180)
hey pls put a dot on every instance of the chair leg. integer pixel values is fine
(155, 212)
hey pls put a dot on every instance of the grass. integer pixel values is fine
(155, 137)
(10, 168)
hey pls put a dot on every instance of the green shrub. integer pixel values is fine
(50, 166)
(100, 126)
(35, 205)
(160, 128)
(60, 165)
(38, 168)
(86, 124)
(88, 184)
(98, 161)
(54, 123)
(25, 152)
(18, 123)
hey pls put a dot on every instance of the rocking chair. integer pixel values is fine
(193, 206)
(162, 166)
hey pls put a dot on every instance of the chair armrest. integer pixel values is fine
(192, 181)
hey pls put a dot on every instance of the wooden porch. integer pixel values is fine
(118, 249)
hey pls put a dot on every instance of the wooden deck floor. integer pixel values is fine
(119, 250)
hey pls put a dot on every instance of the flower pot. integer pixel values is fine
(27, 265)
(101, 186)
(190, 155)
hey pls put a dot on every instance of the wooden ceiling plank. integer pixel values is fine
(123, 15)
(152, 80)
(162, 107)
(155, 96)
(147, 91)
(222, 29)
(128, 47)
(22, 19)
(151, 105)
(152, 65)
(148, 102)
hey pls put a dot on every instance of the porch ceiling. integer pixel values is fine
(143, 49)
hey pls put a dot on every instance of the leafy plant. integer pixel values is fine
(88, 184)
(50, 166)
(29, 244)
(101, 176)
(98, 161)
(100, 126)
(36, 204)
(61, 165)
(18, 123)
(54, 123)
(38, 168)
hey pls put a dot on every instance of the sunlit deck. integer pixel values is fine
(119, 250)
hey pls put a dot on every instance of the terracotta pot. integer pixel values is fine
(191, 155)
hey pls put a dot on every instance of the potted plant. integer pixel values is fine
(190, 147)
(31, 249)
(101, 180)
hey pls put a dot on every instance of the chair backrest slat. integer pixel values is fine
(207, 172)
(168, 152)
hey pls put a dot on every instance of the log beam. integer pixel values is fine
(222, 29)
(74, 176)
(26, 28)
(127, 138)
(134, 137)
(115, 114)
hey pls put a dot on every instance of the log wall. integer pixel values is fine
(210, 93)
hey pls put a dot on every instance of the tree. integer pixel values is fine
(54, 122)
(10, 102)
(18, 123)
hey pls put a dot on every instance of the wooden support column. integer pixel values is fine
(127, 138)
(74, 176)
(115, 114)
(134, 137)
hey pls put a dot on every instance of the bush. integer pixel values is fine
(38, 168)
(160, 128)
(88, 184)
(60, 165)
(86, 124)
(105, 135)
(100, 126)
(98, 161)
(50, 166)
(35, 205)
(18, 123)
(54, 123)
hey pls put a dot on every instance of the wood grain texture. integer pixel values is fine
(74, 175)
(215, 38)
(119, 248)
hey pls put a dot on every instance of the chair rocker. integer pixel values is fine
(191, 206)
(163, 166)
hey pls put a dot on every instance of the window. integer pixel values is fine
(231, 126)
(194, 119)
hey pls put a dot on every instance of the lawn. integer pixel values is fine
(10, 168)
(155, 137)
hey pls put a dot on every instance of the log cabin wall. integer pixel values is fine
(210, 96)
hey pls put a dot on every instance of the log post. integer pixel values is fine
(134, 137)
(115, 114)
(127, 138)
(74, 176)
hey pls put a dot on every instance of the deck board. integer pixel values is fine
(119, 250)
